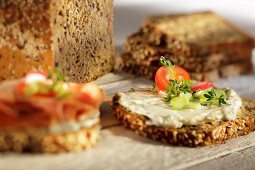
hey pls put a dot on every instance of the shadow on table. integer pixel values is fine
(106, 117)
(121, 131)
(111, 124)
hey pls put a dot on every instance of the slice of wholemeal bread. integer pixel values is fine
(145, 53)
(197, 34)
(78, 35)
(128, 64)
(48, 121)
(203, 43)
(201, 135)
(41, 141)
(84, 38)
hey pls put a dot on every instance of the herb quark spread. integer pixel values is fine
(160, 113)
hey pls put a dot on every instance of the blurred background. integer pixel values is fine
(129, 14)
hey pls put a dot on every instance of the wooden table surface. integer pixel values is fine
(120, 148)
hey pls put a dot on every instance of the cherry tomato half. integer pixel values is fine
(20, 88)
(165, 73)
(201, 86)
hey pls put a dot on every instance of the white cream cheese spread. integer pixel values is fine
(161, 114)
(84, 122)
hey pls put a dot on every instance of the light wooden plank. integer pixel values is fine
(243, 160)
(123, 150)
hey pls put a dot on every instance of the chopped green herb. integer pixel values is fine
(212, 97)
(32, 88)
(57, 75)
(166, 62)
(222, 100)
(154, 89)
(57, 86)
(63, 95)
(178, 103)
(176, 87)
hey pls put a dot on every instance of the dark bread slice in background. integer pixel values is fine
(204, 43)
(196, 34)
(145, 53)
(128, 64)
(192, 136)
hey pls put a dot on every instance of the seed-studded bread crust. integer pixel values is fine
(40, 141)
(192, 136)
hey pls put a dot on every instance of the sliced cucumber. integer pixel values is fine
(178, 103)
(220, 92)
(196, 100)
(214, 102)
(203, 100)
(198, 94)
(193, 105)
(201, 93)
(43, 90)
(187, 96)
(32, 88)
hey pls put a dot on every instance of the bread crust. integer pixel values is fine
(203, 43)
(41, 141)
(75, 35)
(193, 30)
(191, 136)
(143, 52)
(25, 38)
(128, 64)
(84, 38)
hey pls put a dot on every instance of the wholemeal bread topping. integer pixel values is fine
(175, 100)
(43, 101)
(84, 122)
(49, 114)
(181, 111)
(160, 114)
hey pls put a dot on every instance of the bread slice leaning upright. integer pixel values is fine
(74, 35)
(203, 134)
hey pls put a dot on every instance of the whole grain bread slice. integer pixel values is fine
(203, 43)
(193, 136)
(196, 34)
(128, 64)
(76, 35)
(41, 141)
(145, 53)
